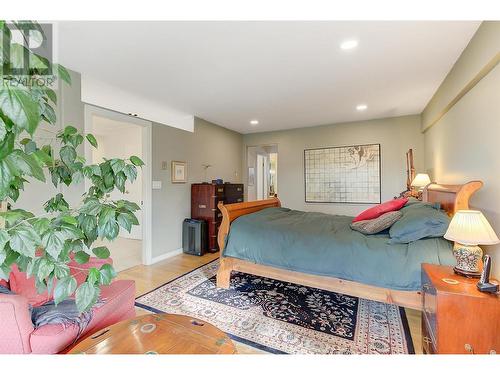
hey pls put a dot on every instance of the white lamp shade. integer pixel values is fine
(421, 180)
(470, 227)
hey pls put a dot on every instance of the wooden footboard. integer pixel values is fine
(452, 198)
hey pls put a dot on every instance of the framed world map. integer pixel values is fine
(347, 174)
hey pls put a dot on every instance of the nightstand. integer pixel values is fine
(456, 317)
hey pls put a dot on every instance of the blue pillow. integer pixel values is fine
(420, 220)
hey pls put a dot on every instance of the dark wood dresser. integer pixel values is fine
(204, 200)
(456, 317)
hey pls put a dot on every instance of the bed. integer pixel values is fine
(321, 251)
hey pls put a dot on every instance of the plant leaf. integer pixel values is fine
(6, 175)
(68, 155)
(82, 257)
(93, 276)
(4, 238)
(87, 223)
(61, 270)
(64, 288)
(131, 172)
(126, 220)
(107, 226)
(136, 161)
(69, 219)
(120, 179)
(27, 164)
(91, 207)
(51, 95)
(49, 114)
(44, 268)
(131, 206)
(12, 217)
(4, 272)
(3, 129)
(63, 74)
(92, 140)
(7, 145)
(41, 225)
(53, 242)
(107, 274)
(86, 296)
(20, 107)
(24, 240)
(117, 165)
(102, 252)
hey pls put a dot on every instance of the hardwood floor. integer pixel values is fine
(150, 277)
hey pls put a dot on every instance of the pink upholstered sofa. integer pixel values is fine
(17, 334)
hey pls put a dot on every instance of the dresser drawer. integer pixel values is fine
(234, 189)
(428, 340)
(429, 303)
(233, 199)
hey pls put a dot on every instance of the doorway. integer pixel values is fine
(121, 136)
(262, 174)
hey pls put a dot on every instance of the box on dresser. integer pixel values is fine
(204, 200)
(456, 317)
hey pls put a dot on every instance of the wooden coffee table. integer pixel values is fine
(157, 334)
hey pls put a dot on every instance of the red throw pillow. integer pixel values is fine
(379, 209)
(24, 286)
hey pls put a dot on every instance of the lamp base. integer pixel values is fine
(468, 259)
(469, 274)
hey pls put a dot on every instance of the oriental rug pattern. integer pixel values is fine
(281, 317)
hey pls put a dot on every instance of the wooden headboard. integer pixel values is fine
(451, 197)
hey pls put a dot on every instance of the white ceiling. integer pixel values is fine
(285, 74)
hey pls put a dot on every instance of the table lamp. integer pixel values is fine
(420, 181)
(469, 228)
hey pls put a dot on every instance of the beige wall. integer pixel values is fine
(396, 135)
(464, 144)
(209, 144)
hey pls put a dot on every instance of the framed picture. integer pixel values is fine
(251, 176)
(347, 174)
(179, 172)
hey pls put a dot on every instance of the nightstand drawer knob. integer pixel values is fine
(468, 348)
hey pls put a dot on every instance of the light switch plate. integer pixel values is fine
(156, 185)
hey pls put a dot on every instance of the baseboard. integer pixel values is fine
(170, 254)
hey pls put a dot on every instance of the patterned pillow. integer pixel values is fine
(377, 225)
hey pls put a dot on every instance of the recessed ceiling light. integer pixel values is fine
(349, 44)
(361, 107)
(254, 122)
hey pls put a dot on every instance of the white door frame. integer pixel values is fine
(91, 110)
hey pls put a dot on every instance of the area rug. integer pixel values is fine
(280, 317)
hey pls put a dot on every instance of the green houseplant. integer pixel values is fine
(43, 245)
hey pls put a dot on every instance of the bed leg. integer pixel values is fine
(224, 274)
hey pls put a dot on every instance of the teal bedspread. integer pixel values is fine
(322, 244)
